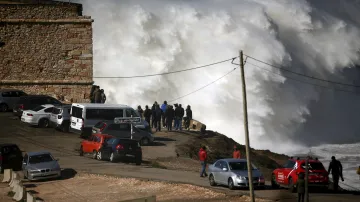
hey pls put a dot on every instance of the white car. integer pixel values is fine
(39, 116)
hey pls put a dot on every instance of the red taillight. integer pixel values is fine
(21, 106)
(119, 147)
(29, 114)
(103, 127)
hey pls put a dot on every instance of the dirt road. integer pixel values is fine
(63, 146)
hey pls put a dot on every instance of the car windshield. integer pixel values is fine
(41, 158)
(38, 108)
(314, 166)
(240, 166)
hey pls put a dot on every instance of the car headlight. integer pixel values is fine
(241, 177)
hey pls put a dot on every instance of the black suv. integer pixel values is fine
(10, 157)
(32, 101)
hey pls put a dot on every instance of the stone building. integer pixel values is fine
(46, 48)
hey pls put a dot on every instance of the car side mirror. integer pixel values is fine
(225, 169)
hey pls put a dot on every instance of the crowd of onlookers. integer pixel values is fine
(167, 115)
(97, 95)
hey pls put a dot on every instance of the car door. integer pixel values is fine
(224, 176)
(97, 142)
(217, 171)
(283, 175)
(124, 131)
(13, 98)
(47, 112)
(76, 117)
(86, 144)
(107, 149)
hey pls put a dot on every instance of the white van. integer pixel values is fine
(85, 115)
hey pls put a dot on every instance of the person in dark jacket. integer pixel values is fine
(203, 161)
(92, 98)
(147, 114)
(169, 117)
(300, 185)
(177, 117)
(140, 111)
(97, 95)
(153, 115)
(188, 117)
(335, 168)
(103, 96)
(158, 114)
(182, 113)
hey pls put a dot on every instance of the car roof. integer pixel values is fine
(37, 153)
(98, 105)
(230, 160)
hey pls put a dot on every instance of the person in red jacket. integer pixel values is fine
(236, 153)
(203, 159)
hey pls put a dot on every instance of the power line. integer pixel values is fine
(204, 86)
(335, 89)
(165, 73)
(300, 74)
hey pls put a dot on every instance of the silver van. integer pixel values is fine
(85, 115)
(9, 98)
(60, 117)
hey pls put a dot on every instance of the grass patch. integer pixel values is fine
(156, 164)
(11, 194)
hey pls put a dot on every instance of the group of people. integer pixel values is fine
(167, 115)
(97, 95)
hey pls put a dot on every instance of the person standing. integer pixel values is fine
(147, 114)
(236, 153)
(188, 117)
(97, 95)
(153, 115)
(182, 113)
(141, 111)
(203, 160)
(335, 168)
(158, 113)
(169, 117)
(92, 98)
(163, 116)
(103, 96)
(177, 117)
(300, 185)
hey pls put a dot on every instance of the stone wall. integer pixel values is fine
(48, 50)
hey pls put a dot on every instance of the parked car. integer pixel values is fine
(123, 130)
(60, 117)
(8, 98)
(32, 101)
(234, 174)
(10, 157)
(287, 175)
(93, 144)
(85, 115)
(39, 116)
(119, 149)
(40, 165)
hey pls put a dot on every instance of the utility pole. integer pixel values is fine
(246, 128)
(307, 179)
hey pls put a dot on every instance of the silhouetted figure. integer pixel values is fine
(97, 95)
(92, 98)
(141, 111)
(300, 185)
(188, 117)
(153, 115)
(103, 96)
(335, 168)
(169, 117)
(177, 117)
(182, 113)
(158, 114)
(147, 114)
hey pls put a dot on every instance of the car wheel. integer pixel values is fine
(44, 123)
(212, 180)
(4, 107)
(81, 152)
(99, 156)
(274, 184)
(231, 184)
(94, 154)
(112, 157)
(291, 185)
(144, 141)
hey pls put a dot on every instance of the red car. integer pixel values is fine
(93, 145)
(287, 176)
